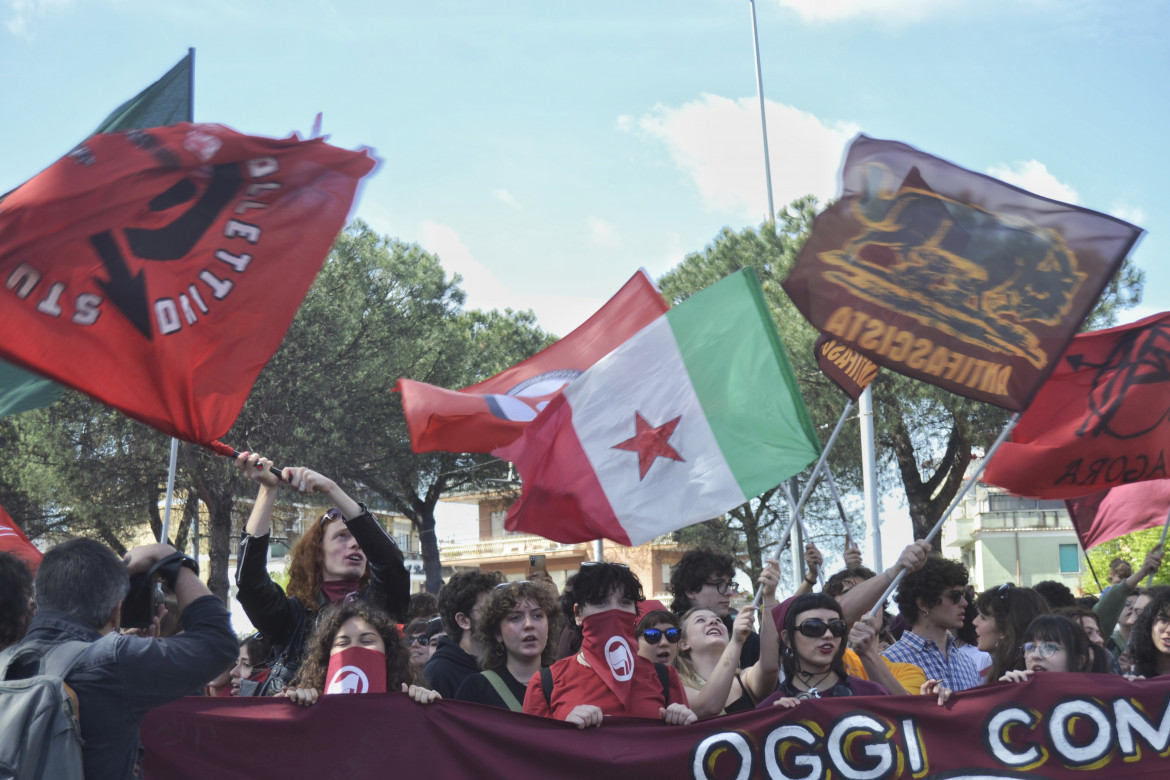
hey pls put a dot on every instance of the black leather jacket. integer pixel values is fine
(277, 616)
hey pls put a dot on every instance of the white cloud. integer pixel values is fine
(557, 314)
(1033, 176)
(602, 233)
(23, 12)
(716, 142)
(1135, 215)
(888, 11)
(506, 197)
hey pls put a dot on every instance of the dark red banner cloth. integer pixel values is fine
(849, 369)
(950, 276)
(495, 412)
(13, 540)
(1101, 420)
(1057, 726)
(158, 270)
(1118, 511)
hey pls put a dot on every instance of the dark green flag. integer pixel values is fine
(165, 102)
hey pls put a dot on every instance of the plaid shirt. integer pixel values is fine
(956, 670)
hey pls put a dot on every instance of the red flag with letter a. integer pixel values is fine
(494, 412)
(158, 270)
(1118, 511)
(1101, 420)
(13, 540)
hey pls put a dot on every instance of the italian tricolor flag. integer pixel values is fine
(694, 415)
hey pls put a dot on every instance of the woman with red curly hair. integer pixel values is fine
(344, 556)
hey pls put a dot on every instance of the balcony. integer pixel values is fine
(507, 547)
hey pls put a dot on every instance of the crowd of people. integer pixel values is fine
(592, 648)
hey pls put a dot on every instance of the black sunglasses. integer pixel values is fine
(954, 595)
(815, 628)
(654, 635)
(420, 640)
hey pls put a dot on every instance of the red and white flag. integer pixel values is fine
(13, 540)
(158, 270)
(1118, 511)
(495, 411)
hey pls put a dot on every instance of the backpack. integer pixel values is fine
(40, 734)
(546, 683)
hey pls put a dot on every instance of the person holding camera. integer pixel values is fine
(345, 555)
(118, 678)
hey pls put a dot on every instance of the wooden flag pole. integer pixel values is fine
(1007, 429)
(804, 494)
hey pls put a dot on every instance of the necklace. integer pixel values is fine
(810, 691)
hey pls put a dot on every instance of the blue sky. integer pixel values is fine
(546, 150)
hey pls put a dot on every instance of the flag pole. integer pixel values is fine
(803, 528)
(1162, 544)
(837, 500)
(763, 119)
(174, 460)
(869, 475)
(804, 494)
(1007, 429)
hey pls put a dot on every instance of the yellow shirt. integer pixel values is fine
(909, 676)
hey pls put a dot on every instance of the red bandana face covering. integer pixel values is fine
(610, 645)
(356, 670)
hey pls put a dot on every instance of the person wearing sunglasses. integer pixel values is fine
(420, 645)
(933, 601)
(513, 629)
(344, 555)
(1004, 612)
(658, 634)
(707, 656)
(813, 643)
(606, 676)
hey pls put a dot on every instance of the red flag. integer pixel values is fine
(158, 270)
(13, 540)
(952, 277)
(1101, 420)
(1118, 511)
(495, 411)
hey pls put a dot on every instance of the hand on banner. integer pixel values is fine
(933, 687)
(677, 715)
(256, 468)
(852, 558)
(770, 580)
(300, 696)
(787, 702)
(420, 694)
(585, 715)
(1016, 675)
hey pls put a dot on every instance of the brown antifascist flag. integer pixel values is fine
(849, 369)
(950, 276)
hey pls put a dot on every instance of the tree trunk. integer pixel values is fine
(929, 498)
(219, 544)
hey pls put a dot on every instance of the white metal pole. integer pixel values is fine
(763, 119)
(869, 477)
(166, 523)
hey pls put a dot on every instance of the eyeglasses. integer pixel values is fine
(955, 596)
(722, 587)
(420, 640)
(1042, 649)
(815, 628)
(330, 516)
(654, 635)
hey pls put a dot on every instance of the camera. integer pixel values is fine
(141, 604)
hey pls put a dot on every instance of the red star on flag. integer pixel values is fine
(651, 442)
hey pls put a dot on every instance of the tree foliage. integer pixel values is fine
(1133, 548)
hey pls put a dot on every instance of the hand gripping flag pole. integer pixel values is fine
(803, 528)
(1007, 429)
(804, 494)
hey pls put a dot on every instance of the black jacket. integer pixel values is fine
(449, 667)
(278, 616)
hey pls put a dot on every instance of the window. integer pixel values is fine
(1070, 558)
